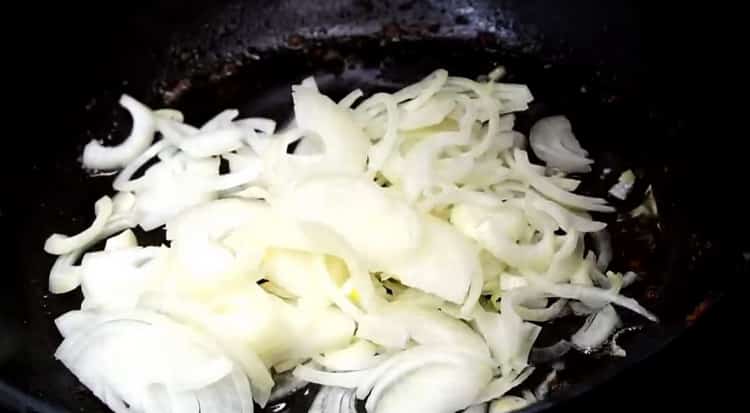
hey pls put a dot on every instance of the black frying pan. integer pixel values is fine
(609, 66)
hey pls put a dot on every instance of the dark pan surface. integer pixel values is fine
(202, 58)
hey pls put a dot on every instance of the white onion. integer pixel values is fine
(553, 141)
(97, 156)
(543, 355)
(578, 292)
(624, 185)
(359, 261)
(523, 167)
(286, 385)
(603, 248)
(334, 400)
(504, 384)
(358, 356)
(508, 404)
(597, 329)
(348, 100)
(102, 357)
(349, 380)
(212, 142)
(477, 408)
(60, 244)
(221, 121)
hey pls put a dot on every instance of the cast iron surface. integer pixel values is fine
(590, 62)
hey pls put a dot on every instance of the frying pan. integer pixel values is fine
(609, 66)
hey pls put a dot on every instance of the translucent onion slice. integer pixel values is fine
(61, 244)
(523, 167)
(553, 141)
(597, 329)
(97, 156)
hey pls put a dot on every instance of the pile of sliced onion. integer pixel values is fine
(407, 252)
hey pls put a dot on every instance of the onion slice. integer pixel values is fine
(97, 156)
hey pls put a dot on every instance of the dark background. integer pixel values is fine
(55, 52)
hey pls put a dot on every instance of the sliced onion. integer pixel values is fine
(597, 329)
(629, 278)
(97, 156)
(523, 167)
(212, 142)
(566, 219)
(334, 400)
(603, 248)
(553, 141)
(61, 244)
(124, 181)
(102, 357)
(504, 384)
(125, 239)
(549, 354)
(624, 185)
(266, 126)
(386, 223)
(508, 404)
(358, 356)
(350, 380)
(556, 310)
(286, 385)
(400, 367)
(380, 152)
(510, 339)
(477, 408)
(220, 121)
(578, 292)
(349, 100)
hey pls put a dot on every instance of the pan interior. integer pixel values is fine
(611, 114)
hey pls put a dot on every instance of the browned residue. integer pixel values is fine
(699, 311)
(174, 93)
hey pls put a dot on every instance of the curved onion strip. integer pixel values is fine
(508, 404)
(349, 100)
(123, 180)
(436, 81)
(477, 408)
(578, 292)
(596, 329)
(334, 400)
(212, 142)
(408, 361)
(504, 384)
(348, 380)
(359, 355)
(556, 310)
(475, 291)
(549, 354)
(603, 248)
(248, 174)
(565, 218)
(380, 152)
(220, 121)
(523, 167)
(64, 276)
(59, 244)
(286, 385)
(97, 156)
(415, 357)
(264, 125)
(553, 141)
(261, 380)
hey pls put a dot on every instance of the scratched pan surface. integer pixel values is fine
(592, 63)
